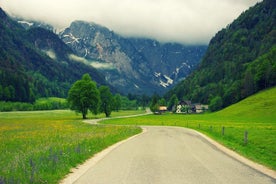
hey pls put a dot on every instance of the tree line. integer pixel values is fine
(85, 96)
(239, 61)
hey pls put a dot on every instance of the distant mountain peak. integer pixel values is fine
(133, 60)
(34, 63)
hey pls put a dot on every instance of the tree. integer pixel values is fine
(84, 96)
(162, 102)
(145, 101)
(216, 103)
(117, 103)
(106, 100)
(154, 103)
(248, 83)
(1, 92)
(173, 102)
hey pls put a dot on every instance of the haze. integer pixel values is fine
(183, 21)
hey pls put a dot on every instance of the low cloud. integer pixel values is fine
(95, 64)
(184, 21)
(51, 54)
(104, 66)
(77, 58)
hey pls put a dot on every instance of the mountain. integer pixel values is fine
(33, 24)
(132, 65)
(239, 61)
(35, 63)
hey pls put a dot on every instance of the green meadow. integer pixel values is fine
(42, 146)
(255, 115)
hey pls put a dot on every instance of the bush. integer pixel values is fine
(15, 106)
(40, 104)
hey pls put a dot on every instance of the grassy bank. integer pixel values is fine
(256, 115)
(42, 146)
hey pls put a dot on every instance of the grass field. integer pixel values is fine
(256, 115)
(42, 146)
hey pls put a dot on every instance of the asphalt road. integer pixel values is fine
(170, 155)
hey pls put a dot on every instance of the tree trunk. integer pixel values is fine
(84, 116)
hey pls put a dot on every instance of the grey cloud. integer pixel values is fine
(185, 21)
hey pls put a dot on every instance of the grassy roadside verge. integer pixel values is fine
(256, 115)
(42, 146)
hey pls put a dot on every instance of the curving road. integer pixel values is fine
(169, 155)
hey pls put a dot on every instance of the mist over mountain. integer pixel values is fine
(47, 64)
(239, 61)
(34, 63)
(182, 21)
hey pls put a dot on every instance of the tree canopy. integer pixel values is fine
(84, 96)
(106, 100)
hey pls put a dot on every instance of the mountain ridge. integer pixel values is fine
(132, 68)
(26, 69)
(239, 61)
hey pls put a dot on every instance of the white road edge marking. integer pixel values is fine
(81, 169)
(233, 154)
(75, 173)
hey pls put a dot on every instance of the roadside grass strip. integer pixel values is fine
(42, 147)
(255, 115)
(260, 145)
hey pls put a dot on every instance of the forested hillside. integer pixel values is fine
(240, 60)
(35, 63)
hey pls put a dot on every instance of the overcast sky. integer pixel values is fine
(184, 21)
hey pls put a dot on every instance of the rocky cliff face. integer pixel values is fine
(140, 66)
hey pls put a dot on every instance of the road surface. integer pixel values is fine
(169, 155)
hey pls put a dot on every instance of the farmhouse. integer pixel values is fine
(161, 109)
(187, 107)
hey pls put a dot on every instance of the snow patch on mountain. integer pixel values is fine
(72, 37)
(156, 74)
(133, 65)
(164, 80)
(23, 22)
(178, 69)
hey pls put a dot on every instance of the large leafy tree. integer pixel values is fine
(106, 100)
(117, 102)
(154, 103)
(84, 96)
(173, 103)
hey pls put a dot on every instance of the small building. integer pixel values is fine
(187, 107)
(200, 108)
(161, 109)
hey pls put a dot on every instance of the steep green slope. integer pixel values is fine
(261, 105)
(240, 60)
(255, 115)
(35, 63)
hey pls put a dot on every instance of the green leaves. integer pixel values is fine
(216, 103)
(84, 96)
(106, 100)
